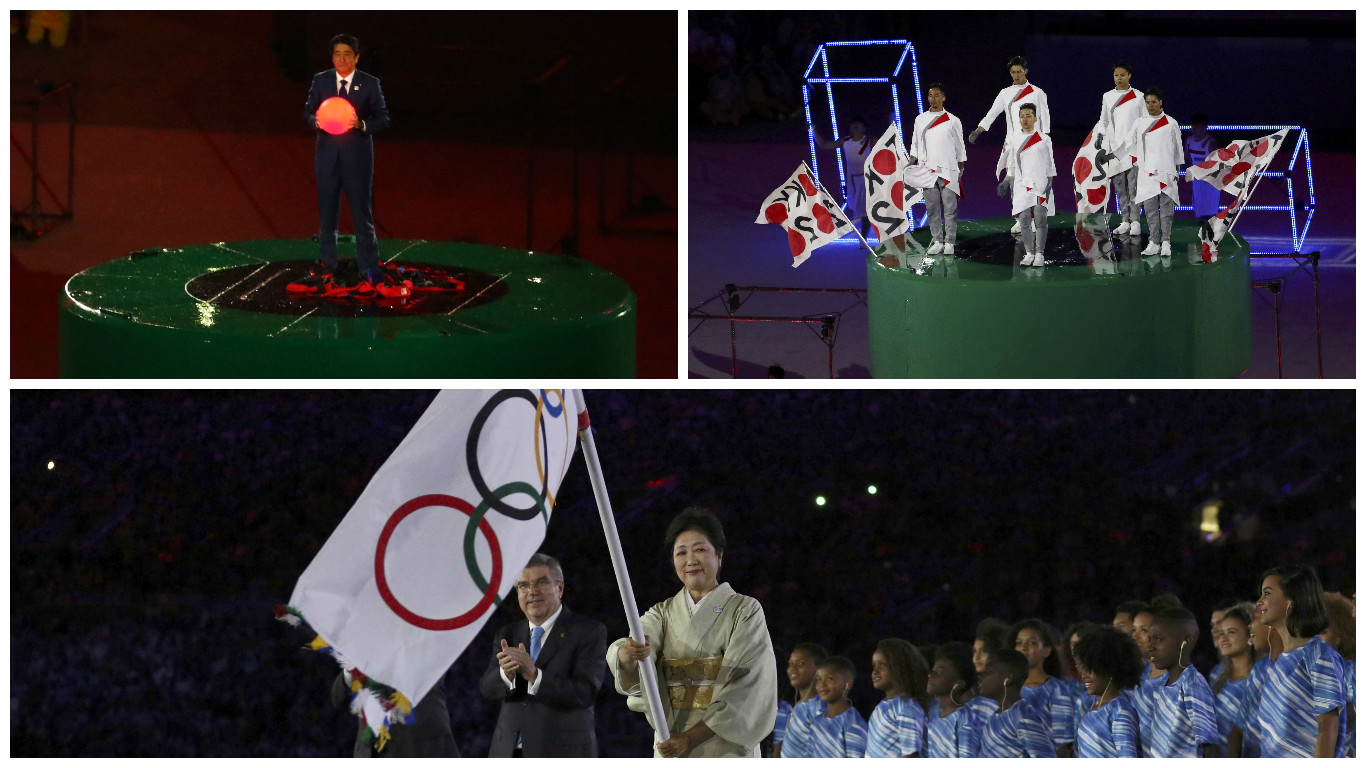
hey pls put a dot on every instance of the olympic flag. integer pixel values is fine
(441, 532)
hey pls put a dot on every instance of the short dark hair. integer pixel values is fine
(840, 664)
(540, 558)
(1165, 600)
(1178, 618)
(859, 120)
(1124, 65)
(1017, 60)
(908, 667)
(1308, 616)
(700, 520)
(1200, 118)
(1154, 91)
(1029, 105)
(936, 85)
(1111, 653)
(960, 656)
(1131, 607)
(1052, 664)
(344, 39)
(1225, 604)
(992, 632)
(1017, 666)
(816, 651)
(1341, 622)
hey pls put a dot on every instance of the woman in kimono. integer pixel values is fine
(711, 651)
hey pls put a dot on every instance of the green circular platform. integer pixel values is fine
(553, 316)
(1149, 318)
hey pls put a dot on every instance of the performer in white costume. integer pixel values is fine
(1029, 180)
(856, 150)
(1155, 143)
(711, 652)
(1009, 102)
(1204, 197)
(937, 143)
(1119, 109)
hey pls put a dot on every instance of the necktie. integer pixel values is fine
(342, 90)
(536, 634)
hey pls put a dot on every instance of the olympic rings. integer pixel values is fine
(478, 518)
(490, 590)
(472, 455)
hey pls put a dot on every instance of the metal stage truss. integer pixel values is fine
(824, 324)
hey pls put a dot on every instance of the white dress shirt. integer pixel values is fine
(547, 625)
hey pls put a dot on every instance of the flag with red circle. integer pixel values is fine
(435, 541)
(893, 185)
(1092, 169)
(1232, 168)
(806, 212)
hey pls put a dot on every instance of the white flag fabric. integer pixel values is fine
(1092, 169)
(1232, 168)
(1213, 229)
(808, 214)
(893, 185)
(438, 536)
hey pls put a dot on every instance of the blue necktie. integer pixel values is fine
(536, 634)
(342, 92)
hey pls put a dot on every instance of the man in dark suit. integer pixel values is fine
(429, 736)
(547, 671)
(347, 162)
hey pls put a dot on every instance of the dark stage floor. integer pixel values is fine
(732, 169)
(170, 153)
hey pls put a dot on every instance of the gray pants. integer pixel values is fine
(938, 199)
(1160, 209)
(1126, 186)
(1039, 214)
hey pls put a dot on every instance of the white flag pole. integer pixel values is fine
(648, 683)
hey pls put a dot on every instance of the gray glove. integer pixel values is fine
(1003, 188)
(972, 137)
(1047, 187)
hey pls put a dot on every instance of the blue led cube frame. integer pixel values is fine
(1297, 235)
(824, 78)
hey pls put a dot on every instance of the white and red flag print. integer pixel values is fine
(1213, 229)
(1232, 168)
(806, 212)
(437, 538)
(1092, 169)
(892, 184)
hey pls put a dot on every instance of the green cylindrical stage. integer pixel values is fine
(221, 310)
(1130, 317)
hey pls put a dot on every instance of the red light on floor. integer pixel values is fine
(335, 115)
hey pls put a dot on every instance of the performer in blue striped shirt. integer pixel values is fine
(841, 731)
(801, 673)
(1017, 728)
(956, 713)
(1304, 698)
(797, 739)
(1232, 637)
(1152, 679)
(1248, 735)
(1109, 662)
(1341, 636)
(1183, 708)
(1046, 688)
(1216, 619)
(897, 726)
(1081, 700)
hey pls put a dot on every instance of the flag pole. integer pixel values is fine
(648, 682)
(1246, 199)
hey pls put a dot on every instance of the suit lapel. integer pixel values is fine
(554, 639)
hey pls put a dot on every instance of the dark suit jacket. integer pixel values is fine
(429, 736)
(558, 720)
(366, 96)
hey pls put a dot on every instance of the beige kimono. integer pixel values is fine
(717, 667)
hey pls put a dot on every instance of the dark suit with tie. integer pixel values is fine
(347, 162)
(428, 736)
(558, 720)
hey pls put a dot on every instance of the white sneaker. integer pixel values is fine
(1167, 248)
(1123, 229)
(948, 249)
(937, 247)
(1153, 249)
(1135, 229)
(1015, 230)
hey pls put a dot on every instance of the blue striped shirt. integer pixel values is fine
(1142, 699)
(1054, 699)
(797, 739)
(1110, 731)
(896, 728)
(780, 723)
(955, 735)
(1349, 680)
(1252, 698)
(1214, 673)
(844, 735)
(1021, 731)
(1081, 704)
(1229, 706)
(1183, 716)
(1301, 685)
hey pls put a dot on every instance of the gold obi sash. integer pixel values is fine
(691, 681)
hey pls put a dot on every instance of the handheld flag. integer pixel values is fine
(441, 532)
(1092, 169)
(893, 185)
(1232, 168)
(806, 212)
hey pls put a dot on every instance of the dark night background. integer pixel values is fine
(145, 563)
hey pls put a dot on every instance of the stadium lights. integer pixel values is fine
(820, 501)
(872, 490)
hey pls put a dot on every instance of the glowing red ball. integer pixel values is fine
(335, 115)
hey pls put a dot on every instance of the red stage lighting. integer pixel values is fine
(335, 115)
